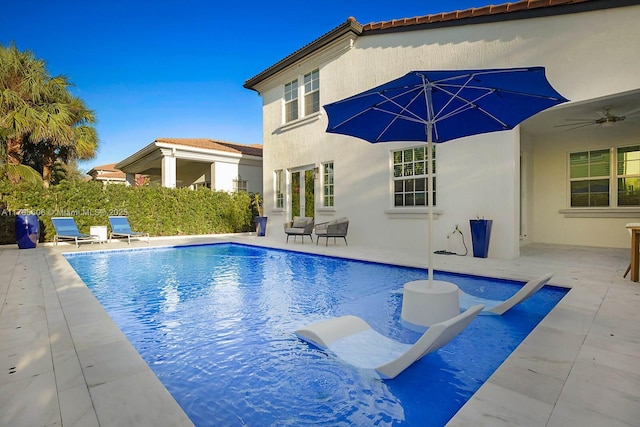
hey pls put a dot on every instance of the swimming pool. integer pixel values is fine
(215, 323)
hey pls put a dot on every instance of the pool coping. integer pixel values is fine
(93, 376)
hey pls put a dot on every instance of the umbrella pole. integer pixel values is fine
(430, 201)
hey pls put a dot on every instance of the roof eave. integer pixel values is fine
(494, 13)
(349, 26)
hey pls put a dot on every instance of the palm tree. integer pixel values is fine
(39, 114)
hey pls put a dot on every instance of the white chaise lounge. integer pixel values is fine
(352, 339)
(500, 307)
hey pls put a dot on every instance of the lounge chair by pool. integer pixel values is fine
(353, 340)
(66, 229)
(120, 228)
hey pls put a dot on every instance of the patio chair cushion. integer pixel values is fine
(300, 222)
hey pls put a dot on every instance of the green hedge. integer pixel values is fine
(159, 211)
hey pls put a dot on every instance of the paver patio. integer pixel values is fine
(64, 362)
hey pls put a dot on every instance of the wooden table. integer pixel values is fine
(635, 251)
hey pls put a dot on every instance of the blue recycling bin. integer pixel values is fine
(27, 231)
(261, 225)
(480, 235)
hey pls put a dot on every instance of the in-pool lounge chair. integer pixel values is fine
(352, 339)
(300, 226)
(120, 228)
(500, 307)
(66, 229)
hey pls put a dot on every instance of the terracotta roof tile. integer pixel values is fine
(468, 13)
(210, 144)
(112, 175)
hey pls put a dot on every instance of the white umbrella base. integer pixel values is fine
(426, 304)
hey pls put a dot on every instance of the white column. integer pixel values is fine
(131, 179)
(168, 171)
(213, 176)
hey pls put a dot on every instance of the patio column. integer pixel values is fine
(168, 169)
(131, 179)
(213, 176)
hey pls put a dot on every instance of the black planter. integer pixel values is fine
(27, 231)
(261, 225)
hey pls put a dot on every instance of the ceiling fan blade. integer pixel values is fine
(631, 112)
(577, 123)
(578, 126)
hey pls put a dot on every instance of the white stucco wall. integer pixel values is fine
(587, 55)
(550, 160)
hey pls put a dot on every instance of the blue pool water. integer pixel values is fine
(216, 322)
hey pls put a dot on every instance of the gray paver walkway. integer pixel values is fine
(64, 362)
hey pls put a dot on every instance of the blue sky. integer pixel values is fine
(175, 68)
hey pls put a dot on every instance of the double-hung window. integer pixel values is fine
(410, 175)
(279, 188)
(291, 101)
(607, 177)
(327, 184)
(301, 100)
(311, 92)
(628, 175)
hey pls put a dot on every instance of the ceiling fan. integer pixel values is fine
(605, 119)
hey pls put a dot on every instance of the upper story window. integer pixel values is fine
(410, 175)
(291, 101)
(607, 177)
(311, 92)
(279, 188)
(308, 92)
(327, 184)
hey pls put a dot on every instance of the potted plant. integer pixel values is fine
(261, 220)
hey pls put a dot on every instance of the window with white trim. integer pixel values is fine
(279, 188)
(607, 177)
(302, 99)
(410, 175)
(312, 92)
(327, 185)
(239, 184)
(291, 101)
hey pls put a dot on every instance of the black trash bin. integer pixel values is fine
(27, 231)
(480, 234)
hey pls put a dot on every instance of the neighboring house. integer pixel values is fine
(538, 183)
(107, 174)
(198, 162)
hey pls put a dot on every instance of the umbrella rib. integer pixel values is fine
(377, 107)
(399, 115)
(469, 105)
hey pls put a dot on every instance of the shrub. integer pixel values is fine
(157, 210)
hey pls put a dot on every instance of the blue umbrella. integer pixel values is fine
(438, 106)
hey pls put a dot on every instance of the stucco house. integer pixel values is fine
(542, 182)
(198, 162)
(107, 174)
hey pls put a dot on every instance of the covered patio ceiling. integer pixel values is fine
(573, 116)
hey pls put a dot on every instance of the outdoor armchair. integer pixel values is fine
(300, 226)
(335, 228)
